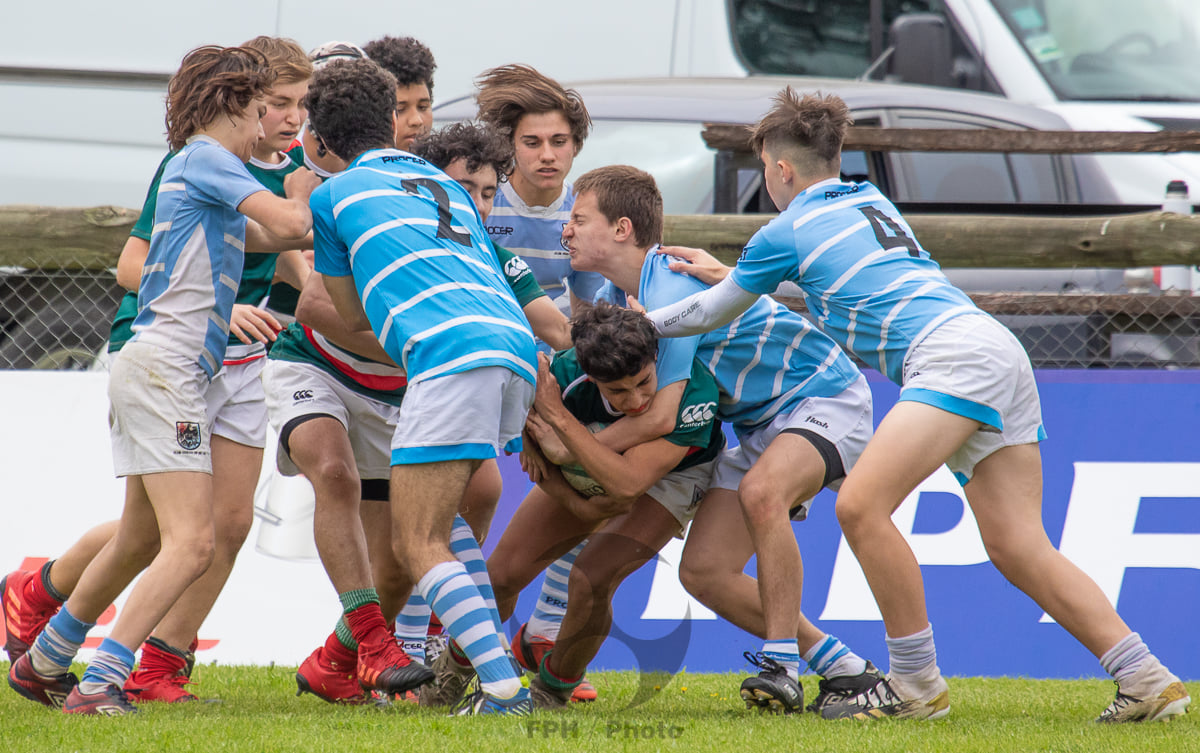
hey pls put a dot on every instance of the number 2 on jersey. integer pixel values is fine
(444, 230)
(897, 239)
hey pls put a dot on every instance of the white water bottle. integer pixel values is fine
(1177, 201)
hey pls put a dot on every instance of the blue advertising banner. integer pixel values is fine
(1121, 499)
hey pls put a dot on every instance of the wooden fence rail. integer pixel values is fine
(52, 237)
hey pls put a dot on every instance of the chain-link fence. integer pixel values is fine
(60, 319)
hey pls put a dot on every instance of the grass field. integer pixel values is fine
(258, 711)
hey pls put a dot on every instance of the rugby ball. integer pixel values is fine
(578, 477)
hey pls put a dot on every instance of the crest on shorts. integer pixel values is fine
(187, 433)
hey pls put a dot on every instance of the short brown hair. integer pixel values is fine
(213, 81)
(510, 92)
(405, 58)
(814, 123)
(624, 191)
(285, 57)
(612, 342)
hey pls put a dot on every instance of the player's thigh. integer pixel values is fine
(625, 543)
(539, 532)
(236, 470)
(480, 500)
(718, 540)
(425, 498)
(1005, 494)
(909, 444)
(790, 471)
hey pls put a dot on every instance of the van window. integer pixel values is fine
(1110, 49)
(973, 177)
(814, 37)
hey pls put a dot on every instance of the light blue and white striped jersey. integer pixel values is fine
(765, 361)
(424, 269)
(197, 248)
(535, 235)
(865, 279)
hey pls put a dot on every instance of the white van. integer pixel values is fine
(1103, 65)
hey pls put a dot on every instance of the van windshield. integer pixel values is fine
(1111, 50)
(815, 37)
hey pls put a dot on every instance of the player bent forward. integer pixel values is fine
(634, 502)
(403, 254)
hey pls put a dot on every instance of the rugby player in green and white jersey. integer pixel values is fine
(626, 505)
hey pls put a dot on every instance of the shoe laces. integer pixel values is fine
(763, 662)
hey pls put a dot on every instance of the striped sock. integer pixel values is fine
(1124, 659)
(832, 658)
(552, 601)
(412, 626)
(454, 597)
(53, 651)
(361, 617)
(111, 665)
(466, 550)
(786, 653)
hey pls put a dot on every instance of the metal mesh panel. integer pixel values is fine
(60, 319)
(53, 318)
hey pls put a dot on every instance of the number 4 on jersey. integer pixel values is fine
(897, 239)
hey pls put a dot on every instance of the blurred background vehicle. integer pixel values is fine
(656, 125)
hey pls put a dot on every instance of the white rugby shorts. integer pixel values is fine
(296, 391)
(844, 420)
(973, 366)
(157, 414)
(473, 414)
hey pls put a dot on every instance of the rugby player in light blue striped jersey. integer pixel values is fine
(802, 414)
(968, 399)
(403, 253)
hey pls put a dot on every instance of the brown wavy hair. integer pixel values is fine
(213, 81)
(510, 92)
(284, 56)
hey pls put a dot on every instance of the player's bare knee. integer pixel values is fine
(336, 481)
(761, 501)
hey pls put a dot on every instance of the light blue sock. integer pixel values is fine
(111, 665)
(456, 601)
(55, 649)
(466, 550)
(552, 601)
(412, 626)
(785, 653)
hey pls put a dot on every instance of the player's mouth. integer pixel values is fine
(637, 411)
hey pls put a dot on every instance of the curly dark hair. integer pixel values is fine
(612, 342)
(476, 143)
(510, 92)
(405, 58)
(350, 106)
(213, 81)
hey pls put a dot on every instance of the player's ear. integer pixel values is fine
(395, 126)
(623, 230)
(787, 172)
